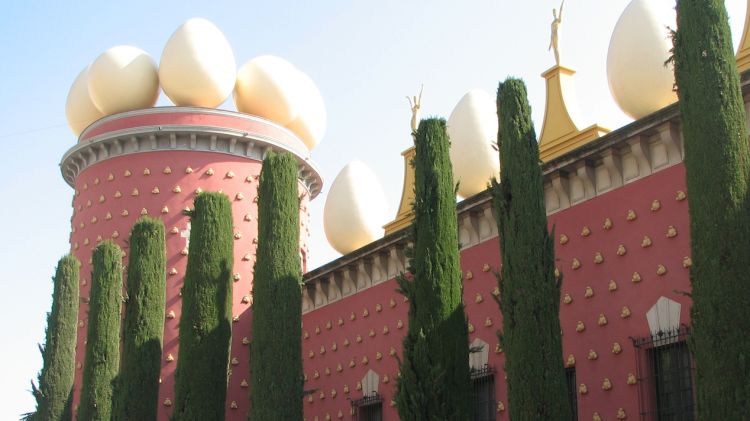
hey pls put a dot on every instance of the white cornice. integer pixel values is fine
(199, 138)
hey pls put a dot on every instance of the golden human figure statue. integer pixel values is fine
(415, 105)
(553, 42)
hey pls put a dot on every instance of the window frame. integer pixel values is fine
(665, 376)
(361, 408)
(571, 383)
(483, 378)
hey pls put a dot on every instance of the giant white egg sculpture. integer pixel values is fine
(311, 121)
(639, 80)
(79, 108)
(197, 66)
(265, 87)
(472, 128)
(273, 88)
(123, 78)
(355, 209)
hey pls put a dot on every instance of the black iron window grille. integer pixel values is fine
(483, 390)
(368, 408)
(571, 383)
(665, 376)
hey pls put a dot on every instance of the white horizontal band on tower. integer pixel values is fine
(186, 137)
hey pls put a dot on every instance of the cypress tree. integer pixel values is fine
(54, 394)
(206, 322)
(103, 337)
(434, 383)
(137, 386)
(717, 165)
(275, 355)
(529, 293)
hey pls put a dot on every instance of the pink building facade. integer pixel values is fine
(618, 205)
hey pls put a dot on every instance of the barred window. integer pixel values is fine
(570, 380)
(483, 390)
(369, 408)
(665, 376)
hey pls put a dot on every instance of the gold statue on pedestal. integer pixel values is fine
(405, 213)
(415, 105)
(560, 133)
(553, 42)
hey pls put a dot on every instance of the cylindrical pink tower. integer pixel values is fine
(153, 162)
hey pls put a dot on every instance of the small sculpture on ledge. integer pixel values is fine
(687, 262)
(554, 36)
(571, 361)
(416, 105)
(632, 379)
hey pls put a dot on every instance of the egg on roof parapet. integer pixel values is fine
(639, 80)
(472, 128)
(355, 209)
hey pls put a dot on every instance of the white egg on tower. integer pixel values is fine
(123, 78)
(265, 87)
(639, 80)
(273, 88)
(197, 66)
(310, 124)
(355, 209)
(79, 108)
(472, 128)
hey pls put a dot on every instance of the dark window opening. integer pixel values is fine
(483, 390)
(570, 380)
(369, 408)
(665, 376)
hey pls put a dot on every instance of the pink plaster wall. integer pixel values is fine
(479, 284)
(96, 189)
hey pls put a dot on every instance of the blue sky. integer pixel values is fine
(364, 56)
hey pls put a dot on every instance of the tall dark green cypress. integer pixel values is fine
(717, 164)
(103, 337)
(435, 382)
(529, 293)
(137, 386)
(206, 322)
(54, 394)
(275, 354)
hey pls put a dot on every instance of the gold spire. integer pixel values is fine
(743, 55)
(405, 214)
(560, 134)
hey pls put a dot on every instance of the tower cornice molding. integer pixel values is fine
(194, 129)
